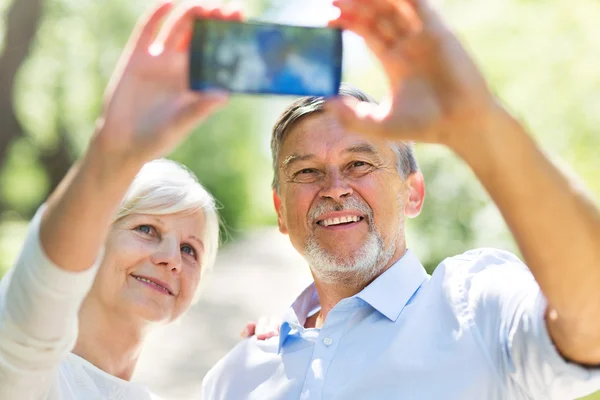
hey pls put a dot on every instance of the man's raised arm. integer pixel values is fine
(439, 96)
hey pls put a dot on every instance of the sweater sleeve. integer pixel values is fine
(39, 303)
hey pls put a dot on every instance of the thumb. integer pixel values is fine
(357, 116)
(200, 106)
(425, 11)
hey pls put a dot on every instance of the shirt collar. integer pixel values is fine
(303, 307)
(392, 290)
(388, 294)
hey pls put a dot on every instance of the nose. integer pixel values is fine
(168, 254)
(335, 187)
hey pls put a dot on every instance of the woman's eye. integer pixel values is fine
(189, 250)
(147, 229)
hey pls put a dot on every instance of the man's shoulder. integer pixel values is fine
(242, 360)
(482, 272)
(481, 260)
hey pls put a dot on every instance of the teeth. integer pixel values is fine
(342, 220)
(152, 283)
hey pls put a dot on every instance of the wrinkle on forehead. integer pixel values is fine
(361, 147)
(321, 135)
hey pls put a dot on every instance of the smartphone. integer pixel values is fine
(263, 58)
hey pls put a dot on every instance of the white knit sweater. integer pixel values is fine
(39, 303)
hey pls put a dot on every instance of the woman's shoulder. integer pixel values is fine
(80, 379)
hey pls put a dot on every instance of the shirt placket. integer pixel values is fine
(326, 347)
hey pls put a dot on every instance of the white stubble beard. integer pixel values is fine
(364, 264)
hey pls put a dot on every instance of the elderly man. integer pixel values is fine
(374, 325)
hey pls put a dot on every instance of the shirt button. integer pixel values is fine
(327, 341)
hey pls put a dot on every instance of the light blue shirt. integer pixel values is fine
(473, 330)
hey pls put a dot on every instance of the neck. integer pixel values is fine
(331, 293)
(109, 341)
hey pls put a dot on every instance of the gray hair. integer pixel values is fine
(166, 187)
(406, 162)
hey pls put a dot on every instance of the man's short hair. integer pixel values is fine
(406, 162)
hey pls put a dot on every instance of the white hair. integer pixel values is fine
(166, 187)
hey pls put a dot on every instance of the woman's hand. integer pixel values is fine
(437, 93)
(148, 111)
(267, 327)
(149, 108)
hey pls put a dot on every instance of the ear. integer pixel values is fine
(415, 184)
(279, 211)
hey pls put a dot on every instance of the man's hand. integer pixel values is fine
(439, 96)
(149, 108)
(437, 93)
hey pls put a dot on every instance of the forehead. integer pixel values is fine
(321, 134)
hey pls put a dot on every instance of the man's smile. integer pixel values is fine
(340, 220)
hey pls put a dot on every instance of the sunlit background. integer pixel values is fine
(542, 59)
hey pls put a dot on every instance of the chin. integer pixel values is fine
(149, 311)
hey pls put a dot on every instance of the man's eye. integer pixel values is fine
(189, 250)
(146, 229)
(359, 164)
(305, 175)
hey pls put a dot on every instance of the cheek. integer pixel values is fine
(190, 280)
(299, 200)
(121, 256)
(130, 253)
(383, 197)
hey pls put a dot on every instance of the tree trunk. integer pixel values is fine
(22, 23)
(57, 160)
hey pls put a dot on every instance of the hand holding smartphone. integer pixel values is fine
(261, 58)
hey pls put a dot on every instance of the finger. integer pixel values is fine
(262, 326)
(423, 10)
(267, 325)
(230, 12)
(387, 19)
(268, 328)
(177, 31)
(390, 20)
(358, 116)
(248, 330)
(354, 19)
(178, 26)
(235, 15)
(198, 107)
(356, 24)
(266, 335)
(146, 28)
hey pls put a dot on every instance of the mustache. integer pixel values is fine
(351, 203)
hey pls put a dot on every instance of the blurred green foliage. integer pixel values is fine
(541, 58)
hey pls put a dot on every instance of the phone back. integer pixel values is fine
(251, 57)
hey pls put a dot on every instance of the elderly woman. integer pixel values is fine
(122, 243)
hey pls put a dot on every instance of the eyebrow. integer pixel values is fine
(159, 221)
(362, 148)
(294, 158)
(200, 242)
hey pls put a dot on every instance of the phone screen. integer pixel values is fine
(251, 57)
